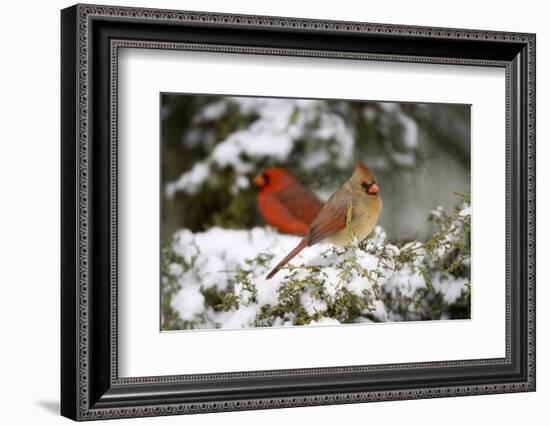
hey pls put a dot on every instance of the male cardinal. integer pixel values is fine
(284, 202)
(361, 192)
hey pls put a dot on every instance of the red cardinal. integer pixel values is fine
(284, 202)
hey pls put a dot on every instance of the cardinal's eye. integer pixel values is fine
(266, 178)
(370, 188)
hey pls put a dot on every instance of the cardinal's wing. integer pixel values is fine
(331, 218)
(301, 202)
(279, 215)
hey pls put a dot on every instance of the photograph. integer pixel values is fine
(280, 212)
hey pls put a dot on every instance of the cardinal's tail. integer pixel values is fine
(287, 258)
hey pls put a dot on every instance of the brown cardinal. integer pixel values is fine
(361, 192)
(284, 202)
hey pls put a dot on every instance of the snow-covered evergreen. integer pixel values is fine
(216, 278)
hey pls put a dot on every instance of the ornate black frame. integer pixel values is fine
(91, 37)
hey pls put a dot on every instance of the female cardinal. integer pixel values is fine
(361, 193)
(284, 202)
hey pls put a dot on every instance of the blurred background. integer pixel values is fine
(212, 146)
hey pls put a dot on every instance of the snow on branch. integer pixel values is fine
(312, 133)
(216, 278)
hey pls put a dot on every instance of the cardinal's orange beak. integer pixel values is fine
(373, 189)
(259, 180)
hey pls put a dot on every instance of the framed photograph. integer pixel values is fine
(263, 212)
